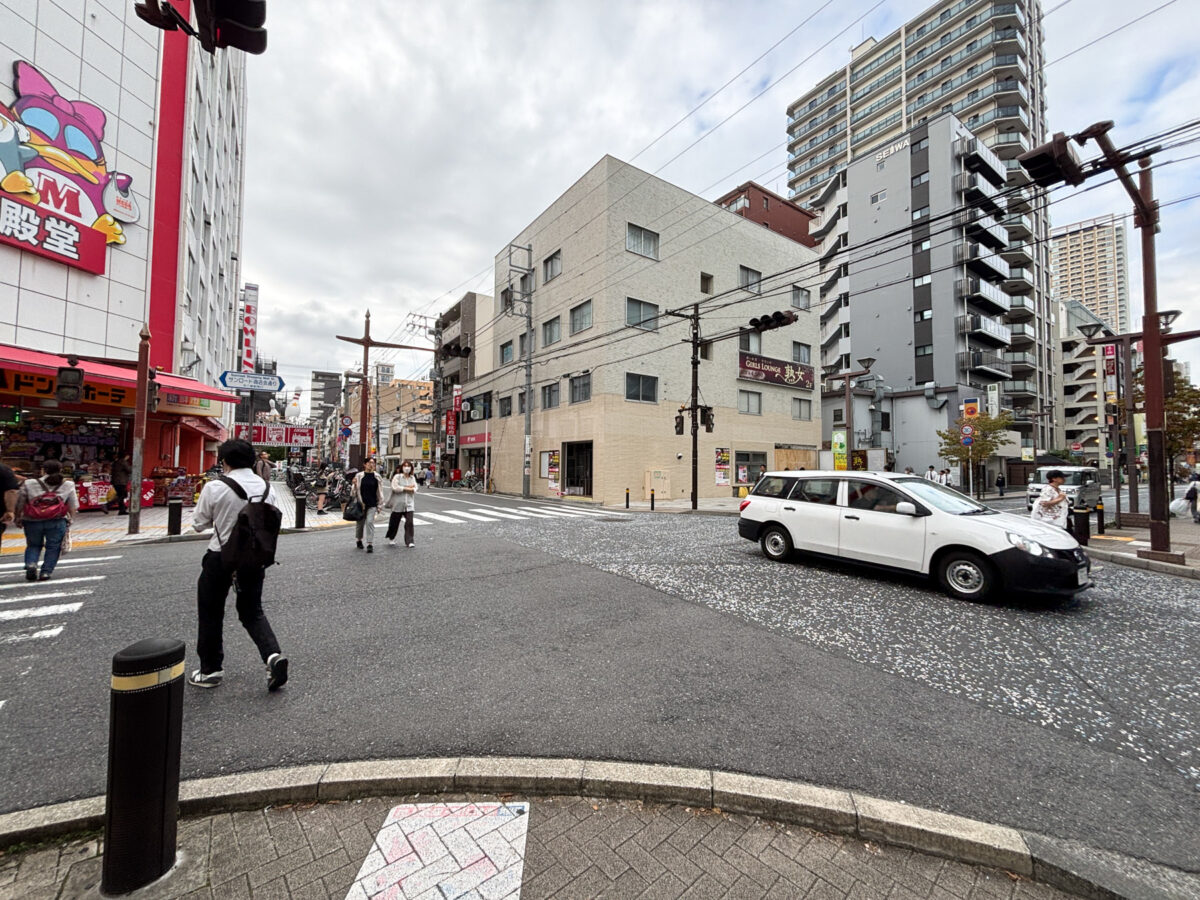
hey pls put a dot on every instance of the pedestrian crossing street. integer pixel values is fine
(492, 514)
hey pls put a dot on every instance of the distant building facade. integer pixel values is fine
(1091, 265)
(756, 203)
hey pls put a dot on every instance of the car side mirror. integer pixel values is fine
(905, 508)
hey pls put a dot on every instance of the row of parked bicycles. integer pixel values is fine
(338, 485)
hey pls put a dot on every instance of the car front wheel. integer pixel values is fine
(966, 576)
(776, 543)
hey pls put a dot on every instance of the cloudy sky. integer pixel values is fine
(395, 147)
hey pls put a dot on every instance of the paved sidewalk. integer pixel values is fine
(575, 848)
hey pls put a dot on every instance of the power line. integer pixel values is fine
(1108, 34)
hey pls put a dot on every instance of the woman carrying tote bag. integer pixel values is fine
(403, 502)
(45, 507)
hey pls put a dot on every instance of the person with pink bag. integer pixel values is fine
(45, 507)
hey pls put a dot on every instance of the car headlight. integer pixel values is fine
(1033, 548)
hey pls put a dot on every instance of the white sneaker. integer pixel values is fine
(206, 680)
(392, 542)
(410, 546)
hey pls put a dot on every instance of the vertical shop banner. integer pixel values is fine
(424, 448)
(249, 326)
(838, 444)
(722, 465)
(552, 469)
(458, 398)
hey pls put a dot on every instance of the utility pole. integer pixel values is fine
(139, 430)
(378, 391)
(695, 405)
(364, 409)
(525, 297)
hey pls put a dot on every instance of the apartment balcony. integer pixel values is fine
(982, 262)
(813, 143)
(979, 159)
(985, 329)
(834, 151)
(980, 226)
(984, 294)
(1010, 144)
(1010, 64)
(879, 127)
(819, 233)
(1010, 40)
(1020, 388)
(1018, 281)
(1022, 334)
(979, 191)
(1011, 91)
(1020, 228)
(1021, 362)
(837, 273)
(1019, 201)
(831, 309)
(1021, 308)
(813, 123)
(1017, 176)
(986, 362)
(1018, 254)
(828, 254)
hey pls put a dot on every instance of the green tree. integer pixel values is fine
(1181, 416)
(990, 433)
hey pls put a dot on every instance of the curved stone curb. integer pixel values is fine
(1136, 562)
(825, 809)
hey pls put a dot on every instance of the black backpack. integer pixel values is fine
(252, 541)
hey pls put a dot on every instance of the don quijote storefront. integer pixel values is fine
(182, 433)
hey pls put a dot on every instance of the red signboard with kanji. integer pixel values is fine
(276, 435)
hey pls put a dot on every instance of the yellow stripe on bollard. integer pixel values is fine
(147, 679)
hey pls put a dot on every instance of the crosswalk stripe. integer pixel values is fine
(549, 512)
(57, 581)
(502, 515)
(7, 615)
(53, 595)
(440, 518)
(472, 516)
(81, 561)
(37, 635)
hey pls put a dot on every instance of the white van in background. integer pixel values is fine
(1082, 485)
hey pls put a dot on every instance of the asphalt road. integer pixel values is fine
(658, 638)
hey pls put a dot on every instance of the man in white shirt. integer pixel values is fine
(932, 474)
(218, 508)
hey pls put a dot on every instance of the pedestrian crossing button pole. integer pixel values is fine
(144, 735)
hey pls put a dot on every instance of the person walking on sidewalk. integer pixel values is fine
(367, 491)
(1052, 506)
(262, 466)
(1001, 483)
(45, 507)
(1192, 495)
(218, 508)
(121, 472)
(403, 502)
(8, 489)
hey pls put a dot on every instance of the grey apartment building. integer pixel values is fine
(1090, 265)
(982, 62)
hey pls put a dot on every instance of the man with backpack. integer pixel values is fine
(241, 509)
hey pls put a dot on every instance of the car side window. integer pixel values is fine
(773, 486)
(816, 490)
(867, 495)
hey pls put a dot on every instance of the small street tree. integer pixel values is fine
(1181, 418)
(987, 438)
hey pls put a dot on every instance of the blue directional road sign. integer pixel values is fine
(251, 381)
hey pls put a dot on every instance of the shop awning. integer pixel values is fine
(39, 363)
(210, 428)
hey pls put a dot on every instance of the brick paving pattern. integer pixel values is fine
(575, 848)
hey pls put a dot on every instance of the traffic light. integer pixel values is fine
(219, 23)
(776, 319)
(452, 351)
(68, 387)
(152, 400)
(679, 422)
(1053, 162)
(706, 416)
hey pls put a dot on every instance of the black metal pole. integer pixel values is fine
(695, 405)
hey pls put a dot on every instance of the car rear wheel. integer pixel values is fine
(966, 576)
(776, 543)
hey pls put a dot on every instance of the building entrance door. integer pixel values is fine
(577, 469)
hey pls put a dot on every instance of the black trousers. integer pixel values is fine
(122, 492)
(211, 591)
(394, 525)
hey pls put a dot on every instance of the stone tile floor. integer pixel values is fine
(575, 848)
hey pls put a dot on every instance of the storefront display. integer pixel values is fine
(82, 445)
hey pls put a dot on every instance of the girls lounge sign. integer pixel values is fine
(58, 198)
(775, 371)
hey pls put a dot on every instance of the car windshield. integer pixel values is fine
(1071, 478)
(943, 498)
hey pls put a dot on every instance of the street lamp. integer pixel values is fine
(832, 374)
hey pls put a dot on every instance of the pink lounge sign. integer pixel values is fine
(775, 371)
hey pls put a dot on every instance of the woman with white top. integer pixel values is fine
(45, 507)
(403, 502)
(1052, 505)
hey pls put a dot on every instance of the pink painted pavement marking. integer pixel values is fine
(446, 851)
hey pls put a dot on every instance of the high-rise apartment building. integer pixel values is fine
(982, 61)
(1090, 265)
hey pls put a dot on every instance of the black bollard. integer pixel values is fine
(651, 499)
(144, 731)
(1082, 524)
(627, 498)
(1100, 517)
(174, 515)
(301, 503)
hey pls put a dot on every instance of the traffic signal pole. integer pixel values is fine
(695, 405)
(142, 400)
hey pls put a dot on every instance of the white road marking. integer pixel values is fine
(496, 512)
(472, 516)
(57, 582)
(7, 615)
(44, 633)
(549, 512)
(440, 518)
(64, 561)
(53, 595)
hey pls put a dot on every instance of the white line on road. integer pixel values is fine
(57, 582)
(77, 561)
(496, 512)
(472, 516)
(440, 518)
(7, 615)
(542, 511)
(37, 635)
(53, 595)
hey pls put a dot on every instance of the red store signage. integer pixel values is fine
(775, 371)
(28, 227)
(451, 423)
(481, 438)
(277, 435)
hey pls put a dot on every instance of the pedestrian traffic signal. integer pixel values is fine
(679, 423)
(152, 400)
(1053, 162)
(219, 23)
(776, 319)
(68, 388)
(706, 417)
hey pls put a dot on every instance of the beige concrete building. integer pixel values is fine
(608, 274)
(1090, 264)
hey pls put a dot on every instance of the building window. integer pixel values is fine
(922, 280)
(802, 409)
(550, 396)
(520, 401)
(921, 246)
(641, 241)
(920, 179)
(801, 353)
(920, 213)
(837, 414)
(749, 279)
(706, 350)
(879, 197)
(552, 331)
(766, 203)
(801, 297)
(506, 354)
(506, 299)
(581, 317)
(525, 348)
(923, 315)
(505, 406)
(640, 314)
(581, 388)
(706, 283)
(738, 203)
(920, 145)
(750, 403)
(526, 285)
(642, 388)
(750, 342)
(924, 350)
(552, 266)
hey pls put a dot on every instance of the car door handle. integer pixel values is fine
(855, 518)
(790, 508)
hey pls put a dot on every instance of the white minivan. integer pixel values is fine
(1081, 484)
(908, 523)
